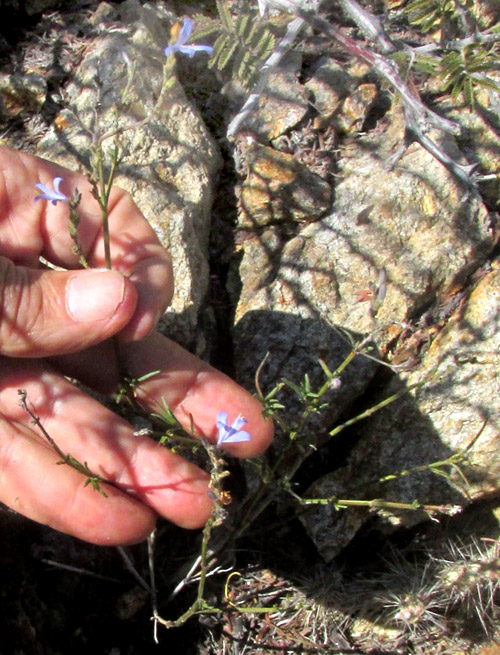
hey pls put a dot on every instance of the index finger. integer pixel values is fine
(30, 229)
(192, 389)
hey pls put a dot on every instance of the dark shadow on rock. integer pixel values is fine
(295, 344)
(352, 463)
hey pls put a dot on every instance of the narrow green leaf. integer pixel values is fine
(221, 43)
(264, 46)
(468, 91)
(237, 63)
(245, 69)
(226, 54)
(293, 386)
(429, 65)
(243, 26)
(225, 15)
(249, 37)
(207, 28)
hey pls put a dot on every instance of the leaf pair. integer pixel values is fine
(245, 43)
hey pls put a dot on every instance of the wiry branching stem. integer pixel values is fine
(369, 24)
(66, 458)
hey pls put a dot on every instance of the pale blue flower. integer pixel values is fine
(180, 44)
(233, 433)
(48, 194)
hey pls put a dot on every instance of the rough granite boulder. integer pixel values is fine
(414, 224)
(453, 408)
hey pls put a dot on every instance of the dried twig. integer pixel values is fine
(270, 65)
(368, 24)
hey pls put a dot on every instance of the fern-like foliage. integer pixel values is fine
(463, 63)
(429, 14)
(422, 63)
(245, 42)
(469, 68)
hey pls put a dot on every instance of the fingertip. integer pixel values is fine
(263, 428)
(265, 431)
(200, 511)
(215, 393)
(237, 401)
(197, 393)
(175, 488)
(113, 519)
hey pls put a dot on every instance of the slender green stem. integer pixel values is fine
(380, 503)
(217, 474)
(104, 190)
(199, 604)
(66, 458)
(369, 412)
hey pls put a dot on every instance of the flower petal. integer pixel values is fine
(54, 195)
(191, 50)
(180, 44)
(238, 423)
(231, 434)
(185, 33)
(44, 189)
(242, 435)
(222, 419)
(57, 181)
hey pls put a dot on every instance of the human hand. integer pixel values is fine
(58, 323)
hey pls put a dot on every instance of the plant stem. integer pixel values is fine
(380, 503)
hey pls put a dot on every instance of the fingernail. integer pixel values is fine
(94, 295)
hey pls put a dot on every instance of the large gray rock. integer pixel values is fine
(413, 223)
(453, 408)
(282, 104)
(21, 93)
(479, 137)
(278, 188)
(410, 230)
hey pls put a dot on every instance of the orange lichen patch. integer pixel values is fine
(61, 122)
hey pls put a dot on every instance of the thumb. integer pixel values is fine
(46, 313)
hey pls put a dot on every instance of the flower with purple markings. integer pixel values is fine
(232, 433)
(180, 44)
(55, 195)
